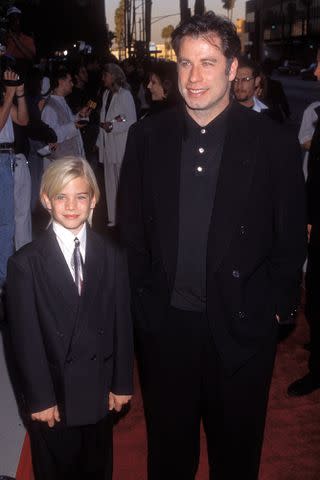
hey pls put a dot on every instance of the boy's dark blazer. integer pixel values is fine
(70, 350)
(257, 234)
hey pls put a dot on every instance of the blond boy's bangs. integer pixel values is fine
(62, 171)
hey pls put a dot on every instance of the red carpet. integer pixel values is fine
(292, 440)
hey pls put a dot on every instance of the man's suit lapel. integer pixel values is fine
(235, 176)
(166, 180)
(236, 169)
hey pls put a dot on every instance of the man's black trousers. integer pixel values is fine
(313, 301)
(183, 382)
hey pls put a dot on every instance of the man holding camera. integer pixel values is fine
(13, 108)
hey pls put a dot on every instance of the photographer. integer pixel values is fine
(19, 45)
(9, 113)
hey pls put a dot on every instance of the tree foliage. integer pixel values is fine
(167, 32)
(166, 35)
(229, 6)
(119, 20)
(199, 7)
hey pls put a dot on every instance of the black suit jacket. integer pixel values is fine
(257, 237)
(70, 350)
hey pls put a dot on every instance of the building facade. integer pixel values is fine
(283, 29)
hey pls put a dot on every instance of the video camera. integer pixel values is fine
(7, 62)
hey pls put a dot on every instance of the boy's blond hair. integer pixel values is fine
(60, 172)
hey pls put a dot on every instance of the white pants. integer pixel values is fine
(111, 179)
(22, 202)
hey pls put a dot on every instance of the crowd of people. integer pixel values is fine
(205, 225)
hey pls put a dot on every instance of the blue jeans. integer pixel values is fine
(6, 212)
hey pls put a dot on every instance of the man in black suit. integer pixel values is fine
(69, 318)
(211, 208)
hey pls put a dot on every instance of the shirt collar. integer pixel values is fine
(258, 105)
(67, 237)
(193, 129)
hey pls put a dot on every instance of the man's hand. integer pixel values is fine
(41, 104)
(306, 145)
(107, 126)
(84, 112)
(116, 402)
(50, 416)
(309, 228)
(81, 124)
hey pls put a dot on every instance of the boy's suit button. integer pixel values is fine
(94, 357)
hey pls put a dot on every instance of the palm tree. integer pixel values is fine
(119, 20)
(199, 7)
(229, 6)
(307, 4)
(166, 35)
(291, 15)
(184, 10)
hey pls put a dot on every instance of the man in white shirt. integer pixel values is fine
(58, 115)
(9, 113)
(246, 84)
(308, 125)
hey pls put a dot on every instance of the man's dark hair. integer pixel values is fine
(204, 26)
(61, 73)
(245, 62)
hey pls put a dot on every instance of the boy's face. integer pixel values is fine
(72, 206)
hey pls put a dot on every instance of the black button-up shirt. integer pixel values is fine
(200, 161)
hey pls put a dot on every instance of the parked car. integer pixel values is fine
(290, 67)
(308, 73)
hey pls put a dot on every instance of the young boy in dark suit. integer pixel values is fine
(69, 314)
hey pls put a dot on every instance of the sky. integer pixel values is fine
(171, 7)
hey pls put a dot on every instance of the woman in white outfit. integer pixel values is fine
(117, 114)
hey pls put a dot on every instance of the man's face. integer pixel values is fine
(83, 75)
(245, 84)
(204, 76)
(15, 22)
(66, 85)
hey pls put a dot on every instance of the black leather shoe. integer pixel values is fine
(303, 386)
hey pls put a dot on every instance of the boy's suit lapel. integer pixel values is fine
(94, 269)
(57, 268)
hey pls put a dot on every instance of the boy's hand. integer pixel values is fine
(49, 416)
(117, 401)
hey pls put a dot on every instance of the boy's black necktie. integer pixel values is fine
(77, 264)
